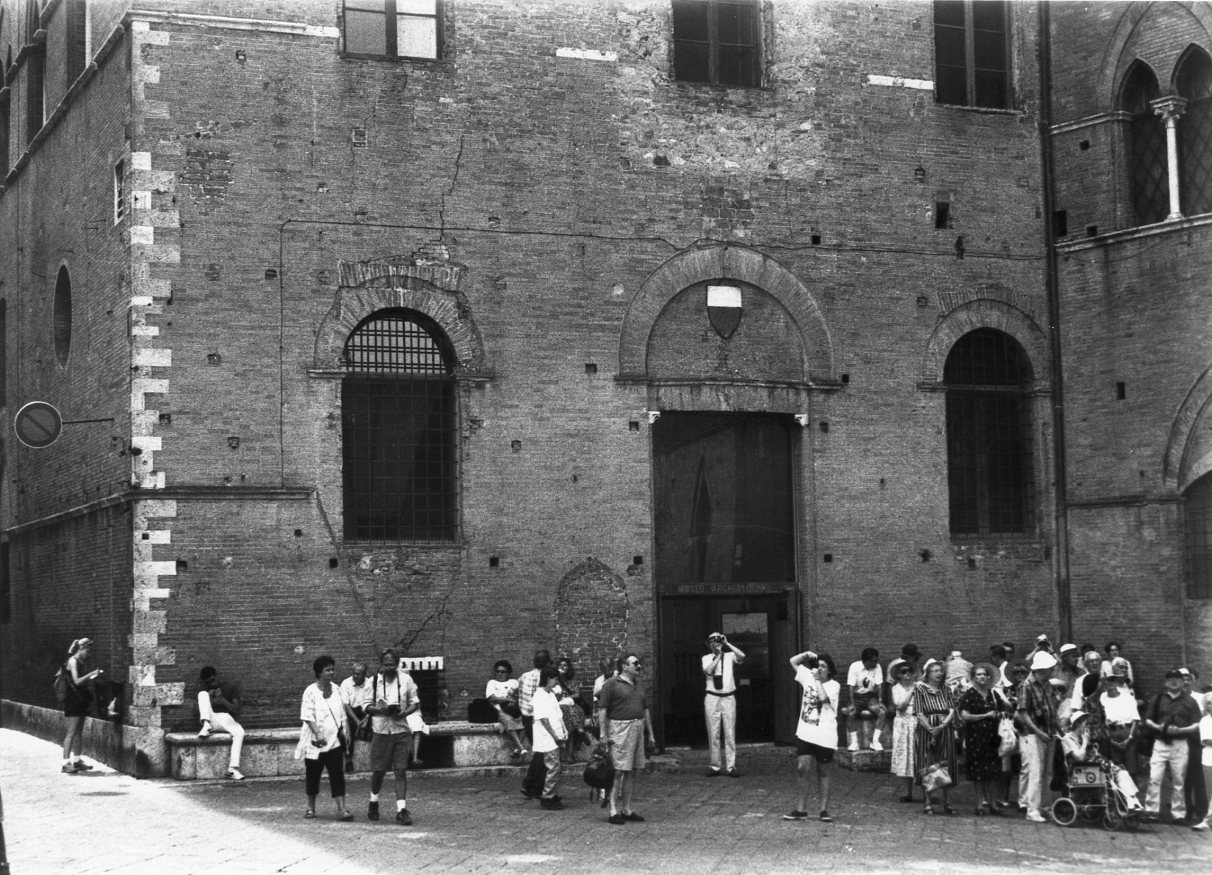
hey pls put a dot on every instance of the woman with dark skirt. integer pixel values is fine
(321, 740)
(935, 739)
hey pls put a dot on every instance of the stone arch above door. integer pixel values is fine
(720, 261)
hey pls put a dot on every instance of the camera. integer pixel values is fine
(812, 662)
(393, 710)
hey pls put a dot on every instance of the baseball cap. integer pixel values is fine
(1039, 638)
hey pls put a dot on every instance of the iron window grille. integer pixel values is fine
(393, 28)
(398, 414)
(1195, 134)
(972, 53)
(1146, 147)
(717, 41)
(1197, 533)
(989, 470)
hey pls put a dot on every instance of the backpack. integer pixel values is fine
(61, 685)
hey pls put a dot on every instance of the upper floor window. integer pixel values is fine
(1146, 145)
(972, 53)
(398, 430)
(717, 41)
(1197, 532)
(1194, 82)
(989, 471)
(393, 28)
(77, 47)
(62, 322)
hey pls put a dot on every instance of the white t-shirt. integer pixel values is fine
(818, 718)
(546, 705)
(1205, 732)
(727, 678)
(1121, 708)
(867, 680)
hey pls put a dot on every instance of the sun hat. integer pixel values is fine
(1043, 660)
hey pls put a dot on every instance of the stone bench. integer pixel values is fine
(271, 752)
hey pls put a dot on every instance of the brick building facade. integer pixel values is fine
(685, 315)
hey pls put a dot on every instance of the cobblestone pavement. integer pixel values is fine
(104, 822)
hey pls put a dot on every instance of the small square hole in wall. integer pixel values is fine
(516, 446)
(637, 560)
(1092, 230)
(494, 561)
(816, 239)
(182, 566)
(942, 214)
(827, 558)
(1084, 145)
(824, 428)
(633, 425)
(591, 368)
(333, 562)
(1121, 391)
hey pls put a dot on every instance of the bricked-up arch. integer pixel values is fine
(1189, 449)
(591, 616)
(1151, 32)
(988, 313)
(353, 305)
(725, 262)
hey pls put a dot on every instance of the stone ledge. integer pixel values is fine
(865, 760)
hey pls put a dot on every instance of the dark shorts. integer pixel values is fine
(808, 749)
(389, 751)
(77, 704)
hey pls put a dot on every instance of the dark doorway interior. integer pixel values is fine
(725, 561)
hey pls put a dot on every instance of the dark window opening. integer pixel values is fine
(398, 412)
(717, 41)
(942, 214)
(972, 53)
(1194, 82)
(393, 28)
(62, 327)
(1197, 531)
(1060, 223)
(77, 39)
(1146, 146)
(989, 471)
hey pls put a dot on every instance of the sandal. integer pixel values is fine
(345, 815)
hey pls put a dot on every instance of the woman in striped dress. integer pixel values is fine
(934, 741)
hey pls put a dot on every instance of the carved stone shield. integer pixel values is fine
(724, 309)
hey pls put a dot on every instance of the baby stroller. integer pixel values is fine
(1094, 796)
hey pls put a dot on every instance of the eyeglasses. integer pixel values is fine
(635, 665)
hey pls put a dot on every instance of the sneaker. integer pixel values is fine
(82, 766)
(854, 746)
(826, 817)
(796, 815)
(553, 804)
(1036, 817)
(713, 772)
(204, 732)
(733, 773)
(372, 811)
(876, 746)
(235, 775)
(616, 819)
(403, 817)
(69, 769)
(1201, 826)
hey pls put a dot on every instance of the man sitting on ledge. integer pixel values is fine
(219, 709)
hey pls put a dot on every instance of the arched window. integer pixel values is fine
(989, 474)
(1197, 530)
(62, 328)
(398, 427)
(1146, 146)
(1194, 82)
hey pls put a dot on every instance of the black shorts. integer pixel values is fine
(808, 749)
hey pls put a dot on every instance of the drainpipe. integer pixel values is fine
(1064, 607)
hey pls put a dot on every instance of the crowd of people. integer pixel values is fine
(1016, 724)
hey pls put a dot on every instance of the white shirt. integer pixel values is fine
(724, 672)
(400, 690)
(818, 717)
(1121, 708)
(546, 705)
(859, 673)
(352, 695)
(327, 714)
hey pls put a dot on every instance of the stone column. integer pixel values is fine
(1170, 108)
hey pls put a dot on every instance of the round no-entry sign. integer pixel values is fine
(38, 424)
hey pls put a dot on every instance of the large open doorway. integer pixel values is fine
(724, 507)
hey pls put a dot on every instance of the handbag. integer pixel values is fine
(1007, 737)
(599, 771)
(934, 777)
